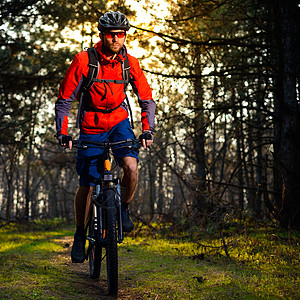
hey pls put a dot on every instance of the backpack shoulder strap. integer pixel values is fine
(93, 69)
(126, 71)
(126, 77)
(88, 81)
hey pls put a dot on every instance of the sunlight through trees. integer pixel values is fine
(225, 75)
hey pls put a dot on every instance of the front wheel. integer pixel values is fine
(111, 242)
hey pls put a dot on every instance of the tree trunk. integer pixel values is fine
(259, 160)
(240, 174)
(199, 142)
(151, 170)
(286, 120)
(27, 180)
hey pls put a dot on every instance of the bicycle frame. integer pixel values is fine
(107, 181)
(104, 217)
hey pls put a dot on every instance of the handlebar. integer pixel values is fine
(129, 143)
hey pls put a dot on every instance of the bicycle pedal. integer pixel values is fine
(90, 239)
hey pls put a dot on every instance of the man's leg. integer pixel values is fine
(129, 179)
(82, 198)
(128, 186)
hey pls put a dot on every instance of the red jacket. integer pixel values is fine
(102, 95)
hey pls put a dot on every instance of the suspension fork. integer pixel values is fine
(98, 213)
(115, 184)
(95, 220)
(119, 210)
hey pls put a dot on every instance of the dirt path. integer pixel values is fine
(78, 274)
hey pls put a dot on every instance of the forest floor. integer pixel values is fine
(156, 263)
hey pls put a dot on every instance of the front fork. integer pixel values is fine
(119, 211)
(98, 209)
(96, 218)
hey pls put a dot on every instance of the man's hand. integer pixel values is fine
(65, 141)
(147, 138)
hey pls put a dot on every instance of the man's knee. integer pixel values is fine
(130, 166)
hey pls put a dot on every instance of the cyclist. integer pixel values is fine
(104, 116)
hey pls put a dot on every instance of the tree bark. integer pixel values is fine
(286, 120)
(199, 142)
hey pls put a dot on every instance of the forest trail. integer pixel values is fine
(262, 262)
(79, 278)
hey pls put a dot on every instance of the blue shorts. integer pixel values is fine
(88, 166)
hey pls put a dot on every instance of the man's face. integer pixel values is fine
(113, 40)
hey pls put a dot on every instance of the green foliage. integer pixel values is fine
(31, 61)
(34, 225)
(210, 60)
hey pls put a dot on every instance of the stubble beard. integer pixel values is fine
(111, 50)
(115, 50)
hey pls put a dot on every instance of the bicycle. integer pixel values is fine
(104, 219)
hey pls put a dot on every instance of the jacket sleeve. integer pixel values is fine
(68, 91)
(143, 91)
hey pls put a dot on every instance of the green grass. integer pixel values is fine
(27, 264)
(263, 263)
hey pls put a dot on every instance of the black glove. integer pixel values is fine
(146, 135)
(64, 139)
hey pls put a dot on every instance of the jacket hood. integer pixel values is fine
(122, 54)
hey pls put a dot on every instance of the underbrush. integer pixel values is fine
(34, 225)
(236, 259)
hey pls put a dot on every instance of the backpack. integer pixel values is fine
(92, 78)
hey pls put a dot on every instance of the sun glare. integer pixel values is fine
(151, 18)
(157, 12)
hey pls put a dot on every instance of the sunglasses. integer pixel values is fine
(110, 35)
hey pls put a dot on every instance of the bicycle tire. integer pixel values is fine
(95, 252)
(111, 242)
